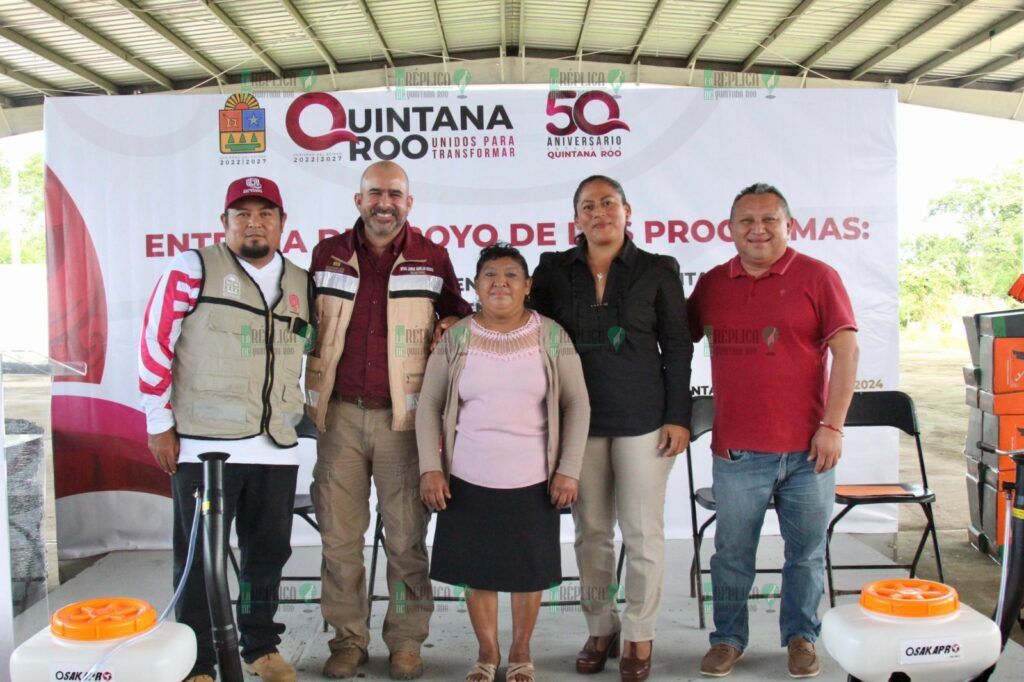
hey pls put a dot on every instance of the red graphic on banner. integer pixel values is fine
(336, 134)
(78, 302)
(576, 113)
(99, 445)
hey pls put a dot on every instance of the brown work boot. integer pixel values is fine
(199, 678)
(719, 660)
(344, 662)
(271, 668)
(803, 661)
(405, 665)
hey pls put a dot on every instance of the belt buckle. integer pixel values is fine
(359, 402)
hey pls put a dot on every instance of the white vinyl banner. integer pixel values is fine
(131, 181)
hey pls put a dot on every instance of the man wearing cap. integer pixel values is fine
(219, 364)
(380, 289)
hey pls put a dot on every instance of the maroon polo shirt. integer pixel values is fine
(363, 368)
(768, 337)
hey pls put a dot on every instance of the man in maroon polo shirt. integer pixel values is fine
(380, 288)
(771, 316)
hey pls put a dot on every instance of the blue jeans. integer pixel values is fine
(743, 486)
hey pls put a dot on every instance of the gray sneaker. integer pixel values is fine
(803, 660)
(719, 660)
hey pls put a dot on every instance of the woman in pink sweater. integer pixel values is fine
(504, 395)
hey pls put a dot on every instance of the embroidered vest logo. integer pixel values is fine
(232, 286)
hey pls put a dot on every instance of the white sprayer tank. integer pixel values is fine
(81, 634)
(917, 627)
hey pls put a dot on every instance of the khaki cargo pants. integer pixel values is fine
(357, 446)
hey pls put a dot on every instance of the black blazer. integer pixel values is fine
(635, 345)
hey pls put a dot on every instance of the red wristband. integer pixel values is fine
(832, 428)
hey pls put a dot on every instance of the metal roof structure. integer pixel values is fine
(76, 47)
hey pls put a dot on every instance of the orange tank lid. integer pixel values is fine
(909, 598)
(104, 618)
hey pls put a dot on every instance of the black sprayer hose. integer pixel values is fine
(225, 635)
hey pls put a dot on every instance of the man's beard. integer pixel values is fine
(259, 251)
(383, 231)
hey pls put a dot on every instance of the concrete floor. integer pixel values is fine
(933, 379)
(451, 648)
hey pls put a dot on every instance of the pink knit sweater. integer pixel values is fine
(501, 436)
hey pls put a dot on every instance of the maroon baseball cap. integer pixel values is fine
(253, 186)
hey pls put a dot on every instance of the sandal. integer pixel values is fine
(524, 671)
(482, 671)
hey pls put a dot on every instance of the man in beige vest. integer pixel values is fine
(219, 366)
(380, 289)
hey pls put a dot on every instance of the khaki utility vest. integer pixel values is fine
(411, 318)
(237, 362)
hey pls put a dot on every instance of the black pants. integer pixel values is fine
(260, 499)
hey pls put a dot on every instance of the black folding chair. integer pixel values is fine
(894, 409)
(701, 420)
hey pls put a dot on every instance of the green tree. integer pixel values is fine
(982, 261)
(932, 273)
(30, 187)
(990, 211)
(25, 212)
(5, 235)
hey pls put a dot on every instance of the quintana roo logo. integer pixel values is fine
(243, 125)
(339, 122)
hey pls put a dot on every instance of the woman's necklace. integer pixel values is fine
(600, 274)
